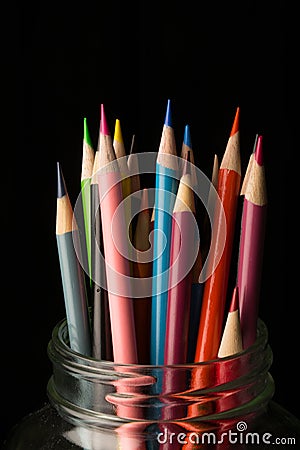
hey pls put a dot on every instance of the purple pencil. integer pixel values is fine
(251, 246)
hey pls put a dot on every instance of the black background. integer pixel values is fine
(133, 57)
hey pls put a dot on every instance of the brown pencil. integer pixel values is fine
(143, 270)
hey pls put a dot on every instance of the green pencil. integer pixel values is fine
(88, 156)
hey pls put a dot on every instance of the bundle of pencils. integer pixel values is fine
(182, 319)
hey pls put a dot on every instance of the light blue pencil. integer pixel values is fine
(166, 185)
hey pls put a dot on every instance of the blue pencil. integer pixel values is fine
(166, 184)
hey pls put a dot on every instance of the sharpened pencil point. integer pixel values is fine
(103, 124)
(168, 118)
(61, 186)
(133, 145)
(236, 122)
(259, 152)
(86, 134)
(187, 137)
(234, 305)
(118, 132)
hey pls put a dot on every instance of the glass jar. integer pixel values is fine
(97, 405)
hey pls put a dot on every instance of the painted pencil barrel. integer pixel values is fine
(74, 293)
(164, 201)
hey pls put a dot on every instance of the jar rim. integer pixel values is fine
(58, 348)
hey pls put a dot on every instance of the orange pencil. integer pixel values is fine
(215, 288)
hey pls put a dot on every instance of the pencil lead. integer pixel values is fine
(168, 118)
(234, 305)
(118, 132)
(86, 134)
(103, 123)
(236, 124)
(133, 145)
(259, 152)
(187, 137)
(61, 185)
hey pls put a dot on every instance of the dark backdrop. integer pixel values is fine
(208, 60)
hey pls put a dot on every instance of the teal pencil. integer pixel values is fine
(72, 274)
(166, 185)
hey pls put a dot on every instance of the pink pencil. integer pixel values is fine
(115, 250)
(180, 279)
(251, 246)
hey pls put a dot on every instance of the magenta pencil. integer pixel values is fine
(251, 246)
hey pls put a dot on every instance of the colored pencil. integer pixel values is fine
(195, 307)
(115, 250)
(72, 274)
(231, 342)
(251, 246)
(135, 184)
(101, 330)
(88, 155)
(166, 184)
(133, 167)
(215, 288)
(180, 280)
(143, 270)
(208, 219)
(120, 152)
(248, 169)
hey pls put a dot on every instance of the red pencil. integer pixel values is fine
(215, 288)
(251, 246)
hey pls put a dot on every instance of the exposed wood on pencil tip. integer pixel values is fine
(87, 154)
(185, 199)
(256, 189)
(248, 169)
(65, 220)
(231, 342)
(232, 159)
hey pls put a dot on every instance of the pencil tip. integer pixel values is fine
(259, 152)
(234, 305)
(168, 118)
(255, 143)
(118, 132)
(236, 122)
(187, 137)
(103, 123)
(86, 134)
(133, 145)
(61, 186)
